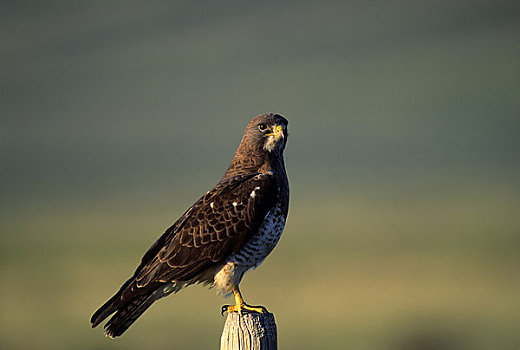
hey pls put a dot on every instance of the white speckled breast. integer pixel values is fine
(253, 252)
(263, 242)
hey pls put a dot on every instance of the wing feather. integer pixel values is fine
(217, 225)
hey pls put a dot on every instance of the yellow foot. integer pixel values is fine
(241, 308)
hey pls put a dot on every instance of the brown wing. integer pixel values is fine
(217, 225)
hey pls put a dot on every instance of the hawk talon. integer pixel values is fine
(240, 306)
(224, 309)
(244, 308)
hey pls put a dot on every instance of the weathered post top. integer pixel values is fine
(249, 331)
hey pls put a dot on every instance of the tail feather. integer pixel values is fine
(126, 315)
(128, 311)
(111, 306)
(106, 310)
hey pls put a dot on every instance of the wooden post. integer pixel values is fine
(249, 331)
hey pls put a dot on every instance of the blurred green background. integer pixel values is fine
(404, 225)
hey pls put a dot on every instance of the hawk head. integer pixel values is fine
(262, 145)
(267, 132)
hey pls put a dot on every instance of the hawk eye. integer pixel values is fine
(262, 127)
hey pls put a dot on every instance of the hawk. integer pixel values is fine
(228, 231)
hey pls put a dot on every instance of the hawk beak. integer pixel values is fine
(276, 139)
(278, 131)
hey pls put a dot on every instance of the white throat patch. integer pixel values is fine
(273, 142)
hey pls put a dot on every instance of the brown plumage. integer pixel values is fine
(228, 231)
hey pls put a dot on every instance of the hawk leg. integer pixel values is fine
(240, 305)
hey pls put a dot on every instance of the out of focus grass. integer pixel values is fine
(393, 265)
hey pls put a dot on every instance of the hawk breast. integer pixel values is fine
(263, 241)
(252, 253)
